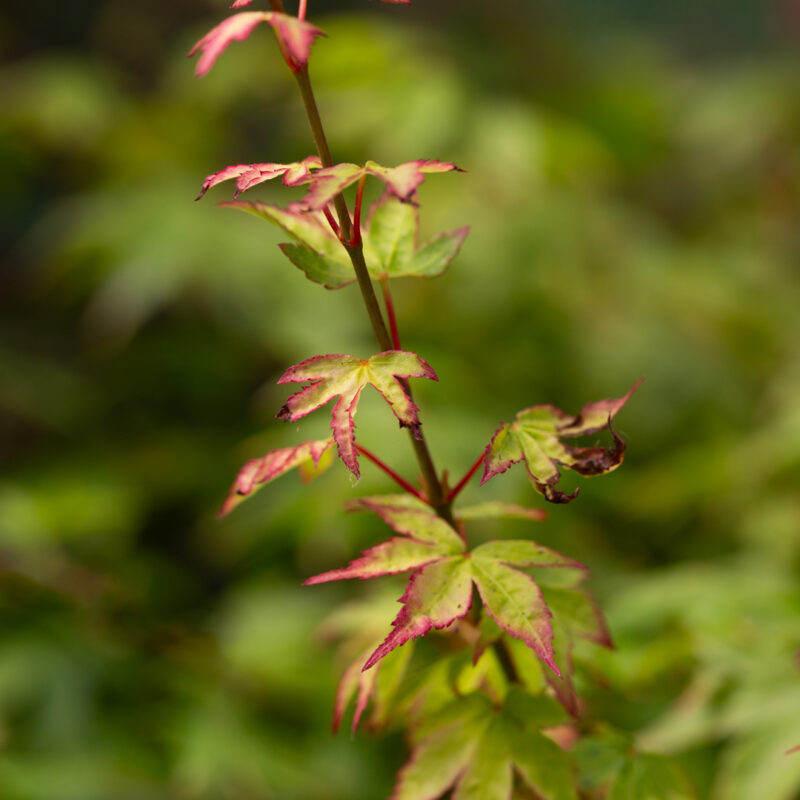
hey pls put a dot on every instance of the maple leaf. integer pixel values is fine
(260, 471)
(249, 175)
(360, 626)
(345, 377)
(401, 181)
(439, 591)
(294, 36)
(389, 240)
(536, 436)
(475, 750)
(495, 509)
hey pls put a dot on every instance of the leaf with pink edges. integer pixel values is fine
(378, 685)
(294, 36)
(260, 471)
(249, 175)
(536, 436)
(512, 598)
(360, 626)
(437, 595)
(426, 537)
(401, 181)
(440, 589)
(344, 377)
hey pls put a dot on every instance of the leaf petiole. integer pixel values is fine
(392, 474)
(456, 490)
(332, 222)
(387, 300)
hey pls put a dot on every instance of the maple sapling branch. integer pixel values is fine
(392, 474)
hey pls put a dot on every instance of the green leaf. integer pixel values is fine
(543, 765)
(437, 595)
(390, 242)
(579, 613)
(495, 509)
(515, 603)
(523, 553)
(443, 755)
(413, 518)
(389, 237)
(440, 590)
(650, 777)
(536, 436)
(534, 710)
(345, 377)
(473, 750)
(489, 774)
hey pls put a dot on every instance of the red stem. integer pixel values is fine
(356, 240)
(331, 221)
(454, 492)
(392, 474)
(387, 299)
(301, 11)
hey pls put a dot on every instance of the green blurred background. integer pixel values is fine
(633, 185)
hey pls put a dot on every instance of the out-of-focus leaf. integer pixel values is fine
(294, 36)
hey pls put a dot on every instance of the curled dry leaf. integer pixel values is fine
(295, 37)
(345, 377)
(536, 437)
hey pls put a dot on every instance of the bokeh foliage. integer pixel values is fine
(633, 196)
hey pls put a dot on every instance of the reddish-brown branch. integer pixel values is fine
(454, 492)
(392, 474)
(301, 11)
(387, 300)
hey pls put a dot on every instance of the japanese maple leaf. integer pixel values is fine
(360, 626)
(345, 377)
(536, 436)
(260, 471)
(401, 181)
(295, 37)
(440, 589)
(389, 241)
(249, 175)
(475, 750)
